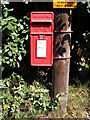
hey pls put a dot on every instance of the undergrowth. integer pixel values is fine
(20, 100)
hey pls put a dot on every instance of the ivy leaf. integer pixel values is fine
(9, 26)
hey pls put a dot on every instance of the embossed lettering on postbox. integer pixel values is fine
(41, 16)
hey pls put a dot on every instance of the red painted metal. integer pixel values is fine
(41, 38)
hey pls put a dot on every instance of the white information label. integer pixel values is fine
(41, 48)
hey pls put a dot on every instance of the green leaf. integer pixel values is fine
(19, 29)
(4, 22)
(27, 37)
(16, 40)
(10, 9)
(83, 64)
(9, 26)
(24, 51)
(14, 34)
(3, 60)
(25, 31)
(18, 24)
(10, 53)
(20, 20)
(11, 60)
(7, 62)
(25, 17)
(86, 66)
(6, 50)
(21, 41)
(11, 18)
(6, 13)
(22, 27)
(6, 58)
(14, 49)
(15, 44)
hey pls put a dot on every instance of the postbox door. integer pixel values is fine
(42, 51)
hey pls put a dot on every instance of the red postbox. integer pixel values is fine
(41, 38)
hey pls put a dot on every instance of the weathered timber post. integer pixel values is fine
(62, 39)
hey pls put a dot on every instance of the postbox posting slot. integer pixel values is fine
(41, 23)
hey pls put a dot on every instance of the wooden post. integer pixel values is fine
(60, 70)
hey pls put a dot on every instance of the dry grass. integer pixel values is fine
(78, 104)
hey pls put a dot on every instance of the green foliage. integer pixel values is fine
(15, 33)
(20, 100)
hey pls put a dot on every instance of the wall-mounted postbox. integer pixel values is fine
(41, 38)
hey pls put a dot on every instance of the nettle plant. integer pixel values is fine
(14, 34)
